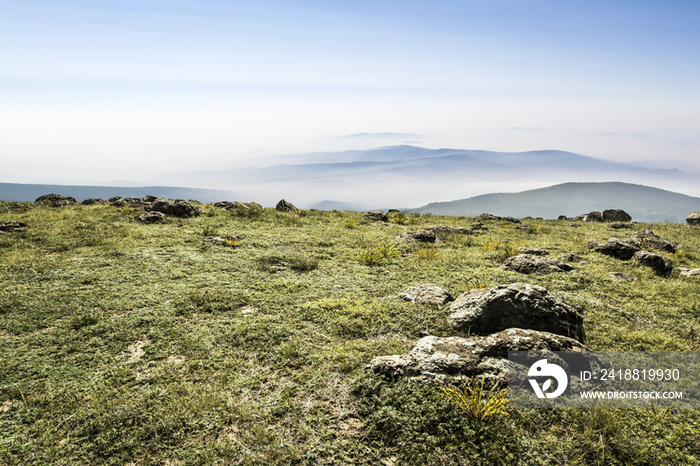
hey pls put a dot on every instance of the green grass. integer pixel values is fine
(125, 343)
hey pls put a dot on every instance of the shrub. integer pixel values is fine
(371, 257)
(350, 223)
(399, 218)
(490, 245)
(427, 253)
(388, 251)
(477, 403)
(232, 242)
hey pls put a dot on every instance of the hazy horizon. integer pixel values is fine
(117, 90)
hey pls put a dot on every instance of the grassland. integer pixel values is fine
(125, 343)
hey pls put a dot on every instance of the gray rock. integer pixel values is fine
(533, 251)
(427, 294)
(93, 201)
(563, 217)
(422, 236)
(449, 229)
(152, 217)
(619, 276)
(620, 225)
(575, 225)
(648, 239)
(175, 208)
(114, 199)
(448, 359)
(591, 217)
(376, 216)
(619, 248)
(528, 263)
(616, 215)
(477, 226)
(688, 272)
(693, 218)
(660, 265)
(517, 305)
(13, 226)
(569, 257)
(284, 206)
(55, 200)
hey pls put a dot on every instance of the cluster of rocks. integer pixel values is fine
(631, 248)
(610, 215)
(235, 205)
(516, 317)
(55, 200)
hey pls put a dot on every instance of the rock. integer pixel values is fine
(532, 251)
(284, 206)
(523, 226)
(660, 265)
(620, 225)
(563, 217)
(575, 225)
(616, 215)
(150, 198)
(477, 226)
(688, 272)
(427, 294)
(693, 218)
(619, 248)
(119, 202)
(393, 211)
(376, 215)
(221, 240)
(510, 219)
(569, 257)
(93, 201)
(422, 236)
(13, 226)
(619, 276)
(591, 217)
(55, 200)
(152, 217)
(528, 263)
(517, 305)
(177, 208)
(447, 359)
(114, 199)
(648, 239)
(449, 229)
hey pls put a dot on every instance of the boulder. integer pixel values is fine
(688, 272)
(648, 239)
(284, 206)
(427, 294)
(55, 200)
(376, 216)
(619, 248)
(533, 251)
(448, 229)
(174, 208)
(114, 199)
(450, 359)
(563, 217)
(12, 226)
(616, 215)
(517, 305)
(152, 217)
(693, 218)
(422, 236)
(660, 265)
(93, 201)
(528, 263)
(620, 225)
(591, 217)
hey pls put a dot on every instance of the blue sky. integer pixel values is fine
(90, 89)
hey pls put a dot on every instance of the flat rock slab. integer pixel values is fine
(442, 359)
(152, 217)
(688, 272)
(619, 277)
(449, 229)
(619, 248)
(421, 236)
(174, 208)
(533, 251)
(517, 305)
(12, 226)
(660, 265)
(648, 239)
(529, 263)
(427, 294)
(620, 225)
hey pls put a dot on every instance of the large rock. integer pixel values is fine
(422, 236)
(533, 251)
(529, 263)
(619, 248)
(376, 215)
(517, 305)
(427, 294)
(616, 215)
(686, 272)
(93, 201)
(451, 230)
(152, 217)
(174, 208)
(660, 265)
(445, 359)
(591, 217)
(12, 226)
(284, 206)
(55, 200)
(648, 239)
(693, 218)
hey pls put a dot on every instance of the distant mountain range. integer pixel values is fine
(643, 203)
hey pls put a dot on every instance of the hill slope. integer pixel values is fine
(643, 203)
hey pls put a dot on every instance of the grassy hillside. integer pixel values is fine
(643, 203)
(124, 343)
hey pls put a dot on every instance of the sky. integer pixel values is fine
(94, 91)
